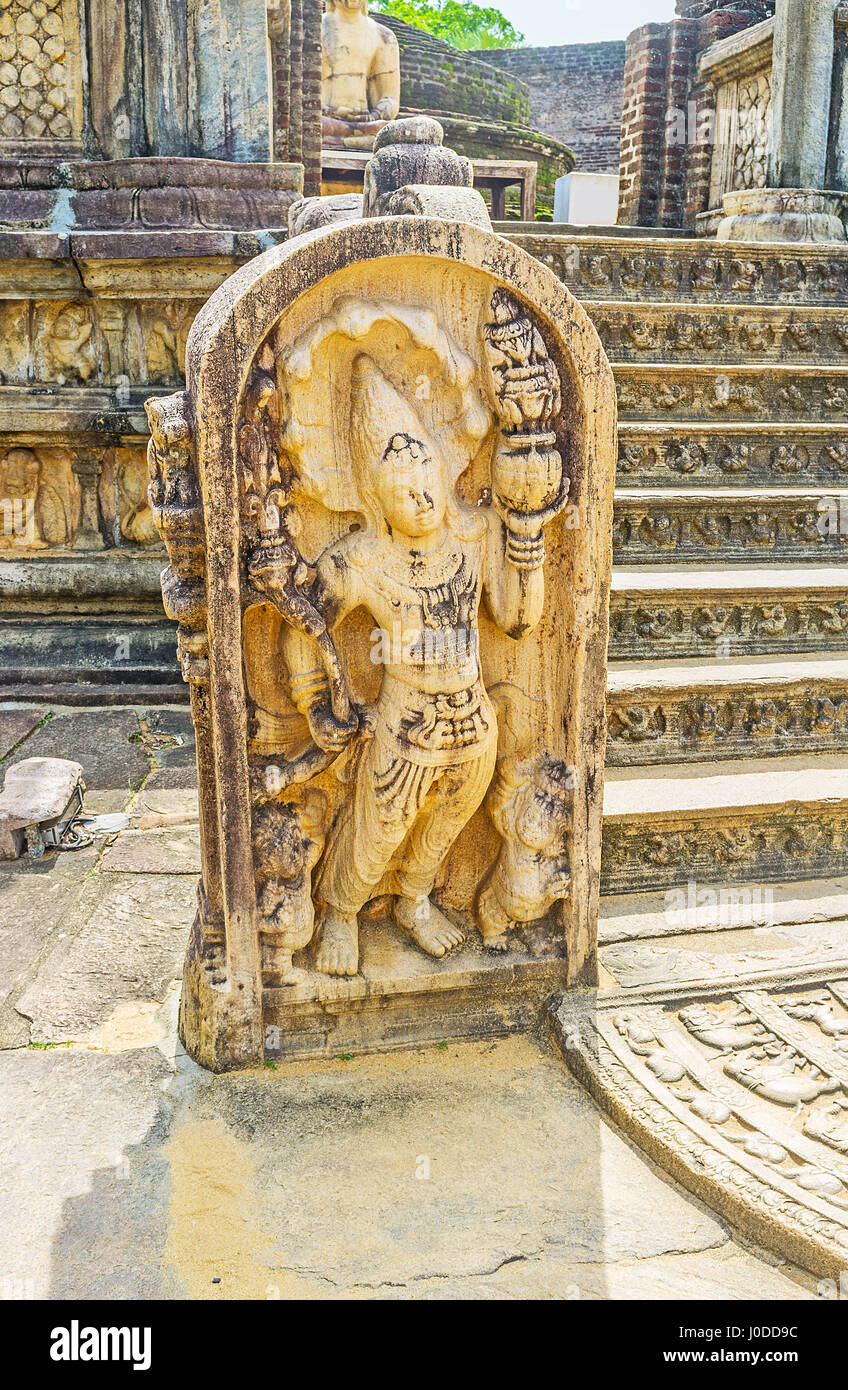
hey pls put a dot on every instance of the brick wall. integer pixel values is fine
(435, 76)
(665, 181)
(575, 95)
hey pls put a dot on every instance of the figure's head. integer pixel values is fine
(349, 5)
(410, 487)
(400, 476)
(544, 805)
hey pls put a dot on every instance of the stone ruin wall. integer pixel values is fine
(435, 76)
(575, 95)
(486, 111)
(667, 184)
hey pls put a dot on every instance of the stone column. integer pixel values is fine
(802, 72)
(311, 104)
(296, 81)
(796, 205)
(87, 467)
(279, 33)
(233, 72)
(115, 64)
(837, 171)
(167, 78)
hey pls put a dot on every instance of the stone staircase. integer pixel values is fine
(728, 683)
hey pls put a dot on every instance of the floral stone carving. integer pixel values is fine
(389, 630)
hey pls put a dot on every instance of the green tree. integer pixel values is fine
(459, 22)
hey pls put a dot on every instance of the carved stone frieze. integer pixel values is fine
(743, 1097)
(671, 270)
(658, 271)
(742, 393)
(741, 457)
(750, 154)
(89, 342)
(728, 624)
(763, 847)
(691, 725)
(39, 498)
(722, 334)
(683, 528)
(40, 78)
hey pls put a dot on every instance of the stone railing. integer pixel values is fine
(739, 71)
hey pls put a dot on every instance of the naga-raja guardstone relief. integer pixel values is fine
(387, 501)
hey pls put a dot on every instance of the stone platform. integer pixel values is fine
(531, 1191)
(402, 998)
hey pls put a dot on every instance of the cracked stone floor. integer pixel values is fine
(462, 1171)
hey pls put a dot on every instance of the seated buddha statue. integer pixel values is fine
(361, 76)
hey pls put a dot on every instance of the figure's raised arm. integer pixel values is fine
(529, 487)
(316, 680)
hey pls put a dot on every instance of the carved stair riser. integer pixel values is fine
(699, 725)
(808, 528)
(742, 846)
(671, 270)
(724, 334)
(664, 626)
(744, 456)
(792, 395)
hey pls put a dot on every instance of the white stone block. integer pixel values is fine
(585, 199)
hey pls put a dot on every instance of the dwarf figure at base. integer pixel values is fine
(530, 806)
(287, 844)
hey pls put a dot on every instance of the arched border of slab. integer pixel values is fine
(221, 348)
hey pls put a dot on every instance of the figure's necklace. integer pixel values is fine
(424, 569)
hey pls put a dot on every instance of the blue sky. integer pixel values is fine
(581, 21)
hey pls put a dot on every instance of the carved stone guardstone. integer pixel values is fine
(387, 500)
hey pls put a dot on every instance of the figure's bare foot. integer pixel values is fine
(428, 927)
(498, 942)
(337, 947)
(293, 976)
(493, 921)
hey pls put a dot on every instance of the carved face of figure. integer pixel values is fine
(534, 824)
(410, 488)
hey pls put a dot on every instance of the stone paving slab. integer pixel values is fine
(106, 742)
(170, 851)
(472, 1172)
(128, 948)
(34, 897)
(179, 804)
(70, 1119)
(15, 724)
(177, 760)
